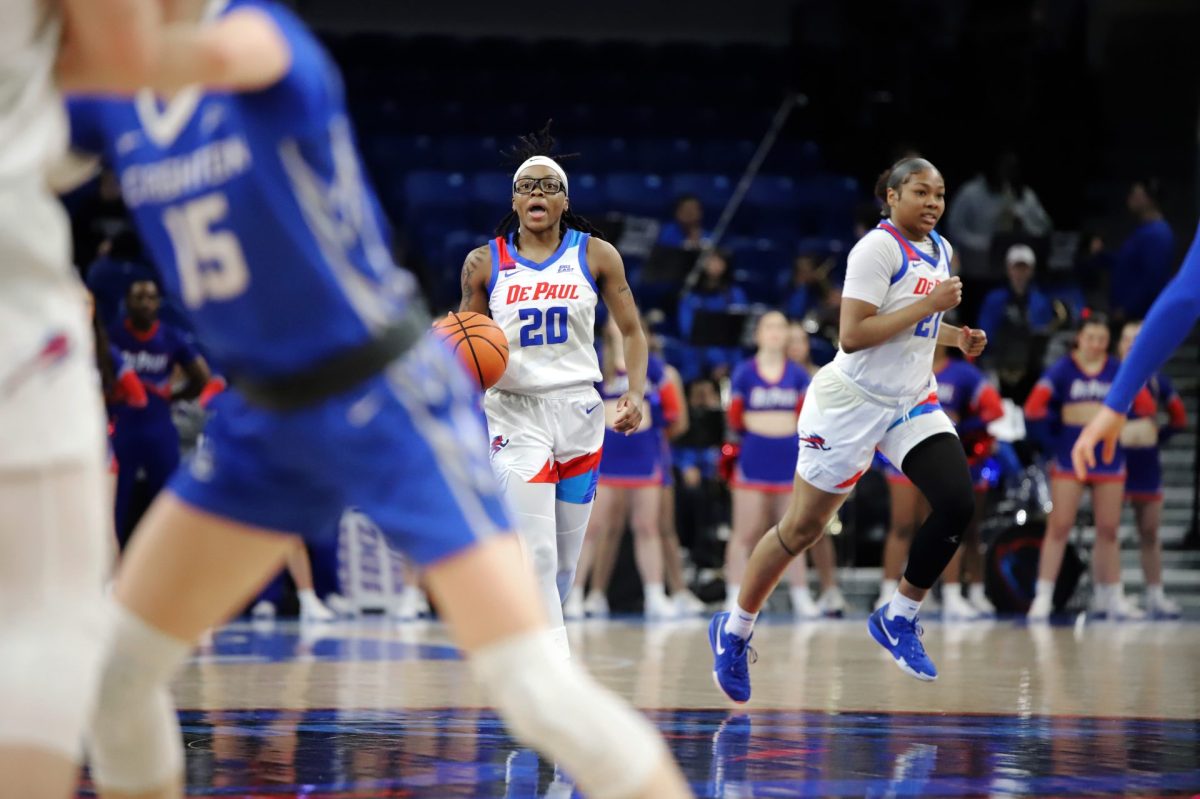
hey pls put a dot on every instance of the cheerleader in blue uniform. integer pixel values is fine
(1142, 440)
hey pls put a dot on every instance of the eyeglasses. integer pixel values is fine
(548, 185)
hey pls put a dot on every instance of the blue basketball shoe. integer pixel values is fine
(902, 637)
(732, 657)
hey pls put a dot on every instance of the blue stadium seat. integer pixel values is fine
(601, 154)
(587, 194)
(758, 263)
(637, 193)
(435, 204)
(436, 190)
(491, 198)
(663, 156)
(469, 153)
(794, 158)
(714, 191)
(398, 152)
(727, 156)
(827, 204)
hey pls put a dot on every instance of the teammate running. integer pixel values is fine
(879, 391)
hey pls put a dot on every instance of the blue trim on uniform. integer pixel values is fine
(920, 410)
(584, 238)
(904, 258)
(562, 247)
(578, 490)
(495, 276)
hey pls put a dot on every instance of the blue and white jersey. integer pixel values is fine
(891, 272)
(548, 312)
(255, 209)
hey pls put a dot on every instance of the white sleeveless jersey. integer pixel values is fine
(548, 312)
(33, 127)
(890, 272)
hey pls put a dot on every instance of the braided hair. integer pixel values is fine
(527, 146)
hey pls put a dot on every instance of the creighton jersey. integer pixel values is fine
(255, 210)
(890, 272)
(548, 312)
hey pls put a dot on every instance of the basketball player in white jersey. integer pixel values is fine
(53, 506)
(540, 282)
(879, 392)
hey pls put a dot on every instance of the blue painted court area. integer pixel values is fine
(452, 752)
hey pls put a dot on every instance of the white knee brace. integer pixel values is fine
(553, 705)
(135, 743)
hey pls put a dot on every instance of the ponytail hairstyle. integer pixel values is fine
(895, 177)
(527, 146)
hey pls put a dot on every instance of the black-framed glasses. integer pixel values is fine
(548, 185)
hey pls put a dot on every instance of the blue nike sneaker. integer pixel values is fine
(902, 638)
(732, 657)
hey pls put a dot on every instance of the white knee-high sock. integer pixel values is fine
(571, 521)
(532, 506)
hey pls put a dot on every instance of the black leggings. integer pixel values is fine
(938, 468)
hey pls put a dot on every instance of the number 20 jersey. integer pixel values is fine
(548, 312)
(255, 209)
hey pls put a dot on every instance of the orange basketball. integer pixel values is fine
(478, 342)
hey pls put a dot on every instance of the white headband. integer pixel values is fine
(542, 160)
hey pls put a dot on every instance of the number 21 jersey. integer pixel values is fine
(548, 312)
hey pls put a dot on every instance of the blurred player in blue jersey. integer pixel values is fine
(251, 200)
(144, 439)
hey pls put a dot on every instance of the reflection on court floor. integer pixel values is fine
(370, 709)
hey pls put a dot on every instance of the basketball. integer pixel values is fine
(478, 342)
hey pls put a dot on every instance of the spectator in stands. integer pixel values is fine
(807, 287)
(1015, 318)
(997, 202)
(715, 292)
(1019, 303)
(1146, 260)
(686, 229)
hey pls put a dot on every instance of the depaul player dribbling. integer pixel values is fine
(879, 391)
(251, 199)
(540, 281)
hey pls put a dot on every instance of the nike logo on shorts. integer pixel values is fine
(594, 407)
